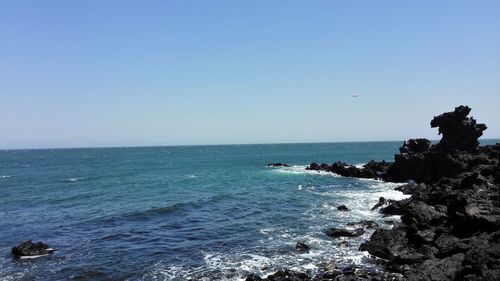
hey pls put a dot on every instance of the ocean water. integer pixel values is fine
(186, 212)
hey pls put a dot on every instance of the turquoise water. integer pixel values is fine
(173, 213)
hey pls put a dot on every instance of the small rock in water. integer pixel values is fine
(278, 164)
(314, 166)
(30, 249)
(343, 208)
(381, 202)
(303, 247)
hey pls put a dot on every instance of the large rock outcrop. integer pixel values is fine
(422, 162)
(459, 131)
(372, 169)
(450, 226)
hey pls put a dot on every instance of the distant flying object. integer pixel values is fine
(354, 95)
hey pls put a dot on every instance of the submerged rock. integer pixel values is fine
(30, 249)
(278, 164)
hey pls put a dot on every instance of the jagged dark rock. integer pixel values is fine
(371, 169)
(450, 226)
(394, 207)
(458, 147)
(459, 131)
(30, 249)
(415, 146)
(410, 188)
(379, 169)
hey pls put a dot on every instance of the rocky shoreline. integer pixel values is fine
(450, 227)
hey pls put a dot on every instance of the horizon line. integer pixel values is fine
(221, 144)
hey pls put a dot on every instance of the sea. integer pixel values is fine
(185, 212)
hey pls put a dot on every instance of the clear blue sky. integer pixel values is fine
(119, 73)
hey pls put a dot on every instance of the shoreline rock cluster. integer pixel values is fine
(450, 227)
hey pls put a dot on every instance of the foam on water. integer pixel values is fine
(280, 241)
(74, 179)
(33, 257)
(301, 170)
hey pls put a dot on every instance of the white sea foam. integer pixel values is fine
(275, 246)
(265, 230)
(74, 179)
(301, 170)
(4, 177)
(33, 257)
(161, 272)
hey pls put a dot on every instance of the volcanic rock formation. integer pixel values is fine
(450, 226)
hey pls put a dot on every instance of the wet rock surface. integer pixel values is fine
(450, 227)
(30, 249)
(342, 232)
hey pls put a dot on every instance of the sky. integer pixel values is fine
(145, 73)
